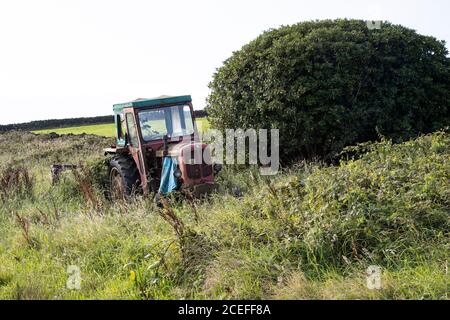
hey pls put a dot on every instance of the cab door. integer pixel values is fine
(134, 145)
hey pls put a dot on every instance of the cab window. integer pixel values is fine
(132, 135)
(174, 121)
(120, 127)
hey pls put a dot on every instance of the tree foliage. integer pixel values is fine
(332, 83)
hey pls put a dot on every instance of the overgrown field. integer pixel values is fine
(310, 232)
(105, 130)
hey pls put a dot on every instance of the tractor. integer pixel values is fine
(155, 149)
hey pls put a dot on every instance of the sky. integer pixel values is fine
(76, 58)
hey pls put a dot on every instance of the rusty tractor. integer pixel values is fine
(156, 141)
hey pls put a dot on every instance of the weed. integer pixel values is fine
(15, 182)
(308, 233)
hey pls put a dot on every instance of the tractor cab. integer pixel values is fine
(156, 142)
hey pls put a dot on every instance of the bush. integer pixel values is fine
(373, 208)
(329, 84)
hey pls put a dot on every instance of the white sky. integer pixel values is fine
(72, 58)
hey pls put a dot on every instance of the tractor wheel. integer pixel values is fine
(124, 177)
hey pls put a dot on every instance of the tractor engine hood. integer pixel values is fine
(187, 150)
(173, 150)
(190, 161)
(193, 163)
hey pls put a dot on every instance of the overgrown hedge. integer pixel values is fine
(332, 83)
(381, 207)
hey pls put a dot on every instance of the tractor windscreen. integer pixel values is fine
(174, 121)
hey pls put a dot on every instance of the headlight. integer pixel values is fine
(177, 173)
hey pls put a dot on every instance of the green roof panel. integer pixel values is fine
(144, 103)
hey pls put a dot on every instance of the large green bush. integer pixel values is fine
(329, 84)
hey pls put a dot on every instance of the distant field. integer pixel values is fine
(202, 124)
(106, 130)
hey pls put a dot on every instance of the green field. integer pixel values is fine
(106, 130)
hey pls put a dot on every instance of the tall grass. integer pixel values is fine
(308, 233)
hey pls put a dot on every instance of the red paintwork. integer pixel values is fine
(188, 150)
(147, 148)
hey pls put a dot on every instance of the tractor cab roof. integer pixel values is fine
(152, 102)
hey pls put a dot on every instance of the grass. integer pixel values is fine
(308, 233)
(105, 130)
(202, 124)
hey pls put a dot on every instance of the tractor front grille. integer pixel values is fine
(196, 171)
(206, 170)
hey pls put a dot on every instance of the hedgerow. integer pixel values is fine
(334, 83)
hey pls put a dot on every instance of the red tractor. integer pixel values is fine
(156, 144)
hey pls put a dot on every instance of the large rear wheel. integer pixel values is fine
(124, 177)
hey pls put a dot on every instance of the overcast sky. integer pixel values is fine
(72, 58)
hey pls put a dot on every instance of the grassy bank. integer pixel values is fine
(308, 233)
